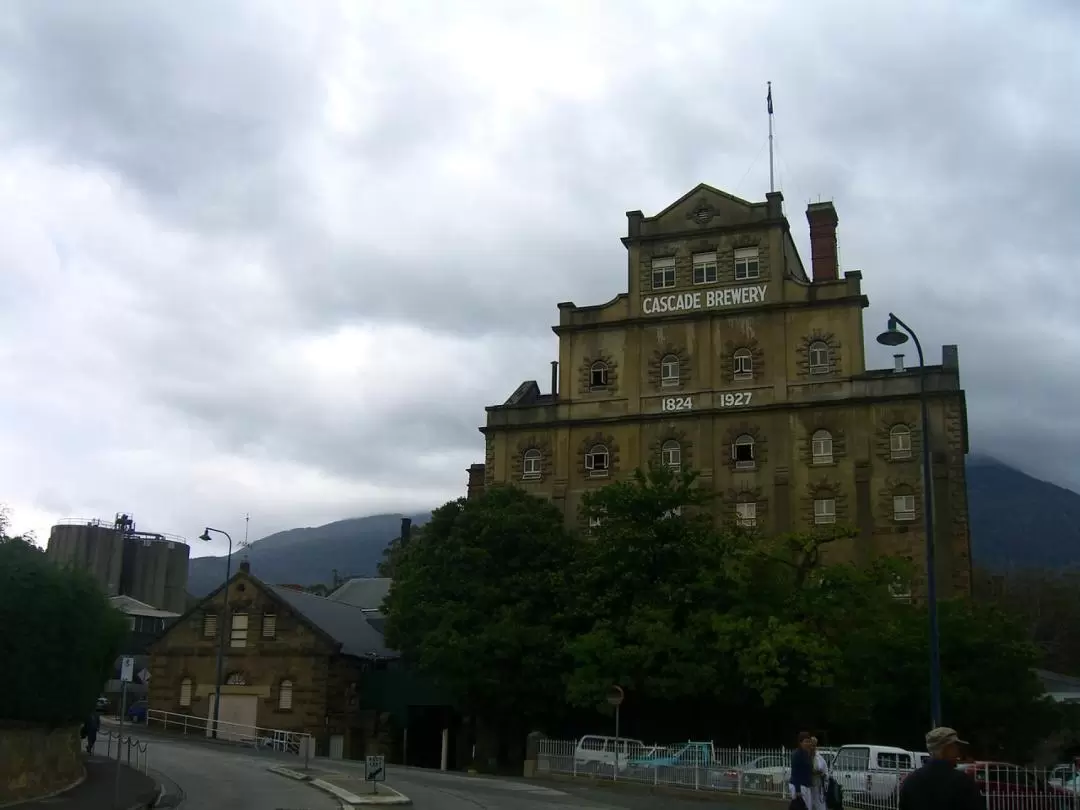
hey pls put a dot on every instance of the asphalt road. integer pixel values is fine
(200, 775)
(204, 776)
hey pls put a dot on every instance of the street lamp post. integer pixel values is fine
(205, 536)
(894, 337)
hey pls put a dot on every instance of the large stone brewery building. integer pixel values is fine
(725, 356)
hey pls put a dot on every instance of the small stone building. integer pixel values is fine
(293, 661)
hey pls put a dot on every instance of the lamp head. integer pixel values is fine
(205, 536)
(892, 336)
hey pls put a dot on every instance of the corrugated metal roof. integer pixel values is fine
(363, 592)
(344, 623)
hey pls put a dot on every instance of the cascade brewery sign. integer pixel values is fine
(707, 299)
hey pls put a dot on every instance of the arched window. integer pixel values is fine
(746, 514)
(530, 465)
(598, 375)
(669, 371)
(236, 679)
(818, 355)
(743, 363)
(821, 447)
(824, 511)
(742, 451)
(285, 695)
(596, 461)
(185, 692)
(903, 506)
(900, 442)
(671, 454)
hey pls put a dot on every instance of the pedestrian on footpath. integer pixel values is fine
(90, 731)
(937, 785)
(802, 773)
(819, 777)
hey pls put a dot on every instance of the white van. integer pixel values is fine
(597, 753)
(872, 772)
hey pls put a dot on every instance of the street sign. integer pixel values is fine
(375, 769)
(615, 696)
(144, 675)
(127, 668)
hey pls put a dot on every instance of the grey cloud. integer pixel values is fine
(942, 134)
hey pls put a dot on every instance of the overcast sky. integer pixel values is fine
(275, 257)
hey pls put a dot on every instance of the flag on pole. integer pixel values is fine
(768, 98)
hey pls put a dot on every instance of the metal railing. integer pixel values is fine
(123, 747)
(270, 739)
(765, 772)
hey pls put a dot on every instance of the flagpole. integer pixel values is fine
(772, 175)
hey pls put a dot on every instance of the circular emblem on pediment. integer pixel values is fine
(703, 212)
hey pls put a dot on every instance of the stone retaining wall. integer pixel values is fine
(38, 761)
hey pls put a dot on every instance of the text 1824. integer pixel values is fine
(677, 404)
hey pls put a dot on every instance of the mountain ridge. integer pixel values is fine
(1016, 521)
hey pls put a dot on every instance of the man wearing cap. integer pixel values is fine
(937, 785)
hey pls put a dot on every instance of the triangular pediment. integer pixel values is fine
(705, 207)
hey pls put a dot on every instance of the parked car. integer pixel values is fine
(136, 712)
(1011, 787)
(871, 774)
(596, 752)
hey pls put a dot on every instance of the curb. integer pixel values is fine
(348, 798)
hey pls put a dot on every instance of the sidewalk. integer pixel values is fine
(350, 788)
(96, 792)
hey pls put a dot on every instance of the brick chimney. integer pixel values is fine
(822, 218)
(476, 481)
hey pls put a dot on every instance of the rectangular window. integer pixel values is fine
(185, 692)
(269, 625)
(705, 268)
(285, 696)
(824, 510)
(746, 264)
(238, 636)
(209, 625)
(663, 273)
(746, 514)
(903, 507)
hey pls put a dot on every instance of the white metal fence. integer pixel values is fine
(765, 771)
(271, 739)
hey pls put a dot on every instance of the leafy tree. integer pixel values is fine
(647, 586)
(1047, 604)
(60, 638)
(475, 604)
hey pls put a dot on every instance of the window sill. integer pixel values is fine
(598, 473)
(823, 463)
(531, 477)
(742, 467)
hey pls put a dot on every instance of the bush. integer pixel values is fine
(58, 641)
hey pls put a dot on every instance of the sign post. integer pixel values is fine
(375, 771)
(615, 698)
(127, 672)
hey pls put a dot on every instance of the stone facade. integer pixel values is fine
(294, 670)
(737, 345)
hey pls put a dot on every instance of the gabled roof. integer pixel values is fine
(363, 592)
(133, 607)
(346, 624)
(339, 622)
(706, 188)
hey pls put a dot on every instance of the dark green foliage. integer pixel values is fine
(712, 632)
(476, 603)
(60, 638)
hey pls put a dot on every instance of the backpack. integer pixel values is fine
(834, 795)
